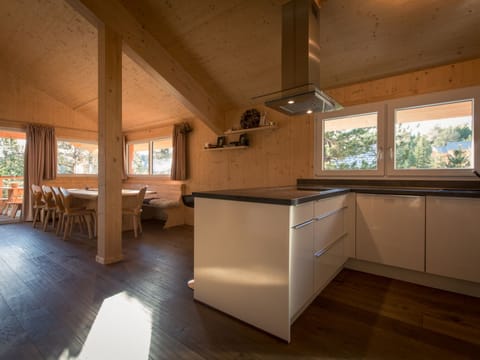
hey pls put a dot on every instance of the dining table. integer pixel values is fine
(91, 195)
(88, 198)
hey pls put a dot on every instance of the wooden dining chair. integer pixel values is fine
(50, 209)
(74, 214)
(60, 209)
(37, 203)
(136, 211)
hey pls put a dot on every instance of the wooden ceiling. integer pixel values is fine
(232, 48)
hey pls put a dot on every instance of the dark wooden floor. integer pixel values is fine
(54, 297)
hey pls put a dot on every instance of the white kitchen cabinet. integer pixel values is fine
(453, 237)
(302, 261)
(242, 261)
(330, 230)
(390, 230)
(256, 261)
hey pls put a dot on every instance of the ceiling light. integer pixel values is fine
(309, 111)
(291, 101)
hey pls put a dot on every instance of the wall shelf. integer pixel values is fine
(258, 128)
(226, 148)
(239, 132)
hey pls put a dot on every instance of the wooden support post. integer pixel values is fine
(109, 146)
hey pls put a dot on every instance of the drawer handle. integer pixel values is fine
(333, 212)
(325, 249)
(306, 223)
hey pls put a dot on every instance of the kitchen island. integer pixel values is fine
(262, 255)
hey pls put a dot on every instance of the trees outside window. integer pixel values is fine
(153, 157)
(350, 142)
(434, 136)
(74, 157)
(12, 153)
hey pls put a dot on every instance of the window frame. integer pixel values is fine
(150, 157)
(356, 110)
(425, 100)
(386, 136)
(77, 141)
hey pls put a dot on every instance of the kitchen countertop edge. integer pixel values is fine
(231, 195)
(323, 193)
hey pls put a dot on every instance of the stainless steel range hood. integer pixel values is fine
(300, 92)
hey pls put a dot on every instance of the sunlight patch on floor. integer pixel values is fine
(121, 330)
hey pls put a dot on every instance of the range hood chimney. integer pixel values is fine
(301, 92)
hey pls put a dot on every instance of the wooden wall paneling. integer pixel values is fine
(109, 248)
(150, 133)
(23, 103)
(74, 181)
(302, 149)
(76, 134)
(440, 78)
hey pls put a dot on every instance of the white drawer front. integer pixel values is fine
(329, 204)
(327, 265)
(301, 213)
(329, 228)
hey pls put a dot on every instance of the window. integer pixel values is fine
(152, 157)
(350, 141)
(77, 157)
(139, 158)
(434, 136)
(162, 157)
(425, 135)
(12, 153)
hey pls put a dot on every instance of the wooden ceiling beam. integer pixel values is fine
(144, 49)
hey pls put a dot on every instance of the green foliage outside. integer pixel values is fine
(351, 149)
(162, 161)
(140, 162)
(356, 148)
(11, 157)
(75, 160)
(416, 151)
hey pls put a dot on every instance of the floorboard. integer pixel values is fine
(56, 302)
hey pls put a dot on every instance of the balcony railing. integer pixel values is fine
(6, 184)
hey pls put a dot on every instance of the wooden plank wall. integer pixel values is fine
(440, 78)
(22, 103)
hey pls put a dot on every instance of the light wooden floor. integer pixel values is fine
(56, 302)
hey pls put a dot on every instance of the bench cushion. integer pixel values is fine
(161, 203)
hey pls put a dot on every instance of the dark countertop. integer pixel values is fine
(282, 195)
(405, 191)
(448, 188)
(309, 191)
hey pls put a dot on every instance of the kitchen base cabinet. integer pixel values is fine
(242, 261)
(264, 263)
(390, 230)
(453, 237)
(301, 250)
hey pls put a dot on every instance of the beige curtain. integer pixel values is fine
(179, 156)
(40, 161)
